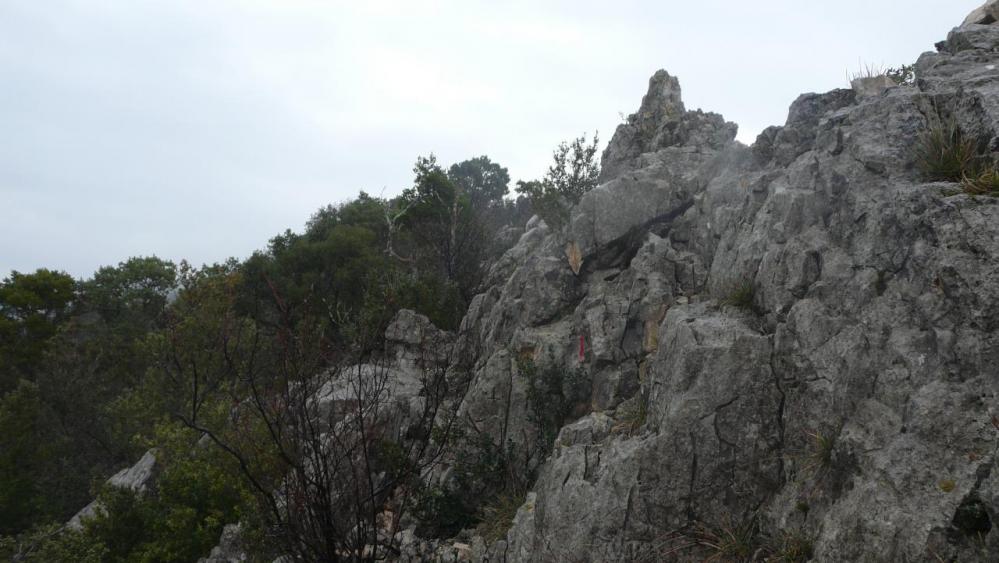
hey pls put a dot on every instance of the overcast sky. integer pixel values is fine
(198, 129)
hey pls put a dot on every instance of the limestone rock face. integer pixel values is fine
(810, 329)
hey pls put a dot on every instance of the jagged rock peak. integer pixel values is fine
(662, 122)
(662, 101)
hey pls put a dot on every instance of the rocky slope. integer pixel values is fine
(785, 351)
(795, 340)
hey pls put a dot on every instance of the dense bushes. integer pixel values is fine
(177, 522)
(32, 307)
(68, 375)
(22, 455)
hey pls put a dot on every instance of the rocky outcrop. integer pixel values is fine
(662, 122)
(808, 328)
(138, 478)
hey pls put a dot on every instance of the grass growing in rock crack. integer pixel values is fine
(741, 296)
(820, 451)
(904, 75)
(943, 154)
(867, 71)
(728, 541)
(631, 417)
(985, 182)
(497, 516)
(740, 540)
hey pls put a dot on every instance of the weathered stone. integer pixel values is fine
(662, 122)
(872, 85)
(414, 343)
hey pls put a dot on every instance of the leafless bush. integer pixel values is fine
(332, 443)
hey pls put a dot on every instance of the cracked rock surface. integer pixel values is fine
(810, 326)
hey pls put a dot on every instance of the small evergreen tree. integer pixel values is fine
(573, 173)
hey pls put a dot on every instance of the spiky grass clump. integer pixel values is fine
(985, 183)
(738, 540)
(631, 417)
(729, 541)
(497, 516)
(819, 456)
(868, 71)
(945, 155)
(741, 296)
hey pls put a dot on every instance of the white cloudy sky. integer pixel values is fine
(200, 128)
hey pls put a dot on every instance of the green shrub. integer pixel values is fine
(945, 155)
(552, 395)
(904, 75)
(440, 512)
(483, 473)
(50, 544)
(178, 522)
(573, 172)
